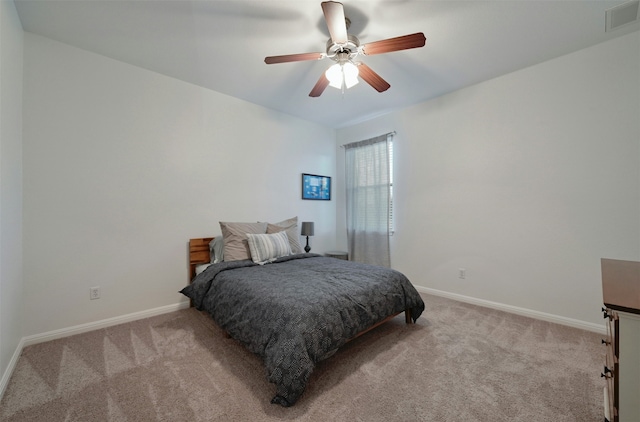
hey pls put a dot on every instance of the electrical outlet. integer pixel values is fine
(94, 293)
(462, 273)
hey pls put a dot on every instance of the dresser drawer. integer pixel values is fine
(610, 374)
(613, 329)
(607, 405)
(611, 366)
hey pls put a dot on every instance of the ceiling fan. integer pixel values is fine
(343, 48)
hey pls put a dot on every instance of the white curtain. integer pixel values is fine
(368, 184)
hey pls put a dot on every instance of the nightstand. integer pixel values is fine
(338, 255)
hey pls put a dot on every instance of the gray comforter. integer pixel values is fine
(300, 309)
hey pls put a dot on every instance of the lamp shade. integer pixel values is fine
(307, 228)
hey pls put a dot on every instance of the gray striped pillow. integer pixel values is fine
(268, 247)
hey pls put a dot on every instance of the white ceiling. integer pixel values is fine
(221, 45)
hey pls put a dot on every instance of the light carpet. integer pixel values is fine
(460, 362)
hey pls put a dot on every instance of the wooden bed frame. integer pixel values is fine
(199, 254)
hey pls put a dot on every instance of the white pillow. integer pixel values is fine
(216, 249)
(201, 268)
(268, 247)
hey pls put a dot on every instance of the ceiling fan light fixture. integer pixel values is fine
(350, 71)
(334, 75)
(342, 74)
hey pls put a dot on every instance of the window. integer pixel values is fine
(369, 183)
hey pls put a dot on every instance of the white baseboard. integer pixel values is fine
(78, 329)
(12, 364)
(588, 326)
(90, 326)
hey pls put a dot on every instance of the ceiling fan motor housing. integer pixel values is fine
(350, 47)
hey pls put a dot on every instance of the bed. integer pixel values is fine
(297, 309)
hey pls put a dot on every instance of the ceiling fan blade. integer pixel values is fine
(372, 78)
(334, 16)
(322, 83)
(293, 58)
(404, 42)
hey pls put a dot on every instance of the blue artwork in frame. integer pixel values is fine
(316, 187)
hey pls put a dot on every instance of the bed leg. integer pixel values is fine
(407, 316)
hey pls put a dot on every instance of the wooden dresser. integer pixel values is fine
(621, 294)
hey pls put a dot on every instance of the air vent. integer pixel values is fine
(621, 15)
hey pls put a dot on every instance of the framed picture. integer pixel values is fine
(316, 187)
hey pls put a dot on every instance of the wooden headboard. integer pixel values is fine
(198, 254)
